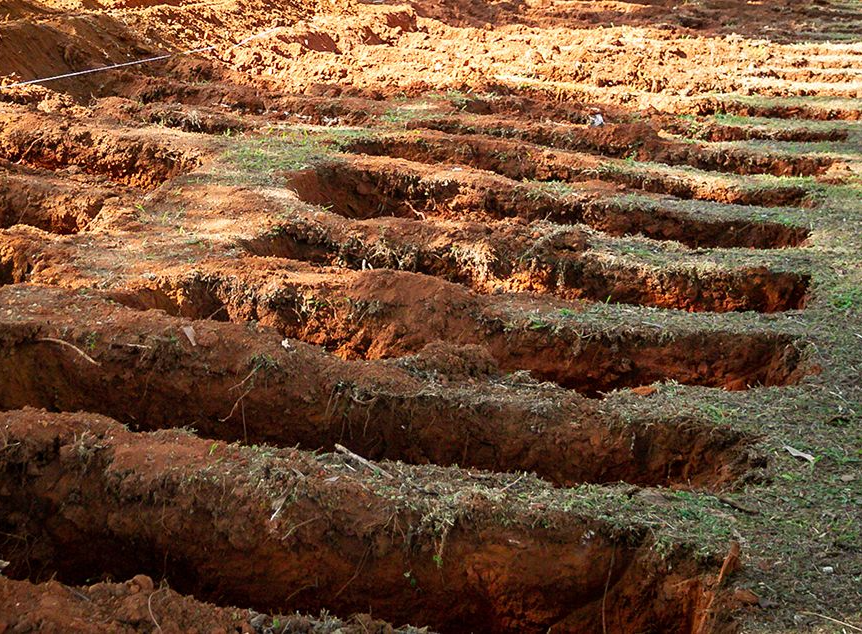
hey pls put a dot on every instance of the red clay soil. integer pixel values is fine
(507, 256)
(367, 187)
(633, 141)
(520, 161)
(52, 203)
(380, 314)
(284, 530)
(778, 111)
(67, 352)
(717, 131)
(110, 607)
(203, 242)
(138, 605)
(134, 158)
(510, 257)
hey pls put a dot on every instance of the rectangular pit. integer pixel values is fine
(385, 314)
(52, 204)
(520, 161)
(249, 384)
(283, 530)
(139, 159)
(371, 188)
(541, 258)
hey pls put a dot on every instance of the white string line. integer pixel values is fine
(139, 61)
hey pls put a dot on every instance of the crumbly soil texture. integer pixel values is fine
(413, 316)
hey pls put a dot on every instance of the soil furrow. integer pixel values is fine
(715, 131)
(382, 314)
(634, 141)
(132, 158)
(810, 74)
(372, 187)
(243, 382)
(782, 109)
(134, 606)
(540, 258)
(329, 534)
(524, 162)
(50, 202)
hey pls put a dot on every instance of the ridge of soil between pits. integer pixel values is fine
(138, 606)
(381, 314)
(633, 141)
(245, 383)
(442, 397)
(138, 159)
(103, 500)
(520, 161)
(508, 257)
(52, 203)
(371, 187)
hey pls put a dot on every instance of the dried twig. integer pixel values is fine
(300, 525)
(80, 595)
(361, 460)
(513, 482)
(356, 573)
(736, 505)
(236, 404)
(150, 609)
(216, 312)
(829, 618)
(607, 585)
(243, 382)
(73, 347)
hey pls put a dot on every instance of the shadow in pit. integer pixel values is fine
(84, 498)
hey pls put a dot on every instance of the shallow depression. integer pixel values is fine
(84, 498)
(370, 188)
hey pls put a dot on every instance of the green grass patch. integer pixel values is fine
(258, 158)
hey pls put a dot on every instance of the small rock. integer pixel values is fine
(257, 622)
(746, 597)
(143, 582)
(828, 570)
(644, 390)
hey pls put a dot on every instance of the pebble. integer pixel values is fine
(143, 582)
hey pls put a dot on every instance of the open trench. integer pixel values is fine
(384, 314)
(448, 405)
(546, 258)
(636, 141)
(44, 200)
(132, 158)
(436, 364)
(284, 530)
(522, 161)
(371, 188)
(778, 109)
(472, 344)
